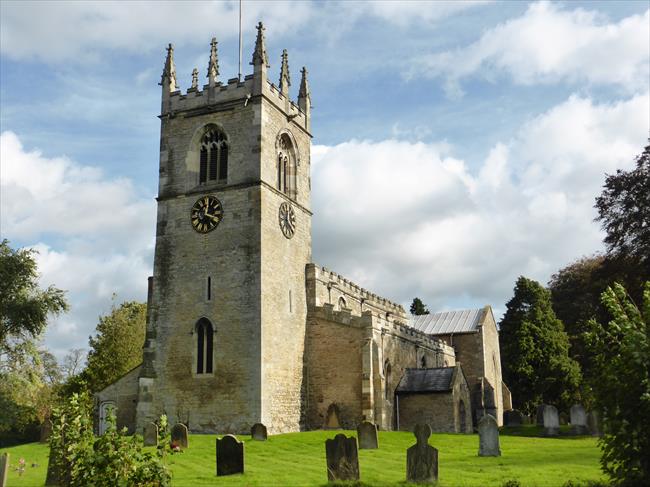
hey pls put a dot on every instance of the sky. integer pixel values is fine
(457, 145)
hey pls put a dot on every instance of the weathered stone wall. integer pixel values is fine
(492, 359)
(434, 409)
(123, 393)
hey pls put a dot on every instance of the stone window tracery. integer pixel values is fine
(204, 346)
(213, 160)
(286, 167)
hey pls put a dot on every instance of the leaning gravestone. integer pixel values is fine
(179, 435)
(258, 432)
(513, 417)
(551, 421)
(367, 434)
(488, 437)
(422, 458)
(150, 436)
(4, 469)
(230, 456)
(342, 458)
(578, 420)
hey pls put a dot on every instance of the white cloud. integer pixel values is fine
(404, 219)
(548, 44)
(100, 232)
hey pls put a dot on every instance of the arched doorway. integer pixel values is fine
(105, 409)
(461, 416)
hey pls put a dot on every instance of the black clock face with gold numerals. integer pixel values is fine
(287, 218)
(206, 214)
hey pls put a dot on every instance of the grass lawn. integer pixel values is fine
(298, 459)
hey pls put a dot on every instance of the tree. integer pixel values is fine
(534, 349)
(418, 307)
(73, 362)
(622, 393)
(624, 212)
(24, 307)
(117, 346)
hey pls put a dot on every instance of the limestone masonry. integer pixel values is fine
(242, 326)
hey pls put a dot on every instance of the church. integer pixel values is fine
(242, 326)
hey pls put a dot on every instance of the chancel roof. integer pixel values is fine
(447, 322)
(426, 380)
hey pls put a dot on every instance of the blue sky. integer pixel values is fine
(467, 140)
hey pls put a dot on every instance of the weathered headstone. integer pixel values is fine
(179, 435)
(593, 422)
(46, 430)
(342, 458)
(514, 417)
(258, 432)
(488, 437)
(4, 469)
(422, 458)
(333, 414)
(367, 434)
(150, 434)
(551, 421)
(230, 456)
(578, 420)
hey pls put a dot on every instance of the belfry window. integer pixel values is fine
(204, 344)
(286, 167)
(213, 162)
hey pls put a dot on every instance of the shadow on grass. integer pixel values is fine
(534, 431)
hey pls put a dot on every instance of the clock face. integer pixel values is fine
(206, 214)
(287, 218)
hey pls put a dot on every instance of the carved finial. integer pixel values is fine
(304, 96)
(213, 65)
(195, 79)
(285, 79)
(259, 54)
(168, 78)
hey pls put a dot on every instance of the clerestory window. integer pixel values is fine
(213, 162)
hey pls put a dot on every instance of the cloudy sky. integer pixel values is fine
(456, 145)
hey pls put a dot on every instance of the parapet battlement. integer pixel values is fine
(216, 93)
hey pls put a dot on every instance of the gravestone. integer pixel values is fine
(230, 456)
(46, 431)
(179, 435)
(342, 458)
(4, 469)
(150, 434)
(514, 417)
(422, 458)
(551, 421)
(333, 415)
(540, 415)
(578, 420)
(593, 423)
(367, 434)
(488, 437)
(258, 432)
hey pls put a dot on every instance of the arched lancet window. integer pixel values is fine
(213, 162)
(342, 303)
(387, 378)
(286, 167)
(204, 341)
(423, 362)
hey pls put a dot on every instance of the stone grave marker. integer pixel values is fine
(593, 423)
(230, 456)
(422, 458)
(342, 458)
(4, 469)
(578, 420)
(179, 435)
(551, 421)
(367, 434)
(46, 431)
(488, 437)
(258, 432)
(333, 415)
(514, 417)
(150, 434)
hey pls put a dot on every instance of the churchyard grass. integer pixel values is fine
(298, 459)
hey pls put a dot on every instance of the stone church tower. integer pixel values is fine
(227, 302)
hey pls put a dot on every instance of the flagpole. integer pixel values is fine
(240, 39)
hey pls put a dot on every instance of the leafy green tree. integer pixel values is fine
(534, 350)
(24, 307)
(624, 212)
(117, 346)
(418, 307)
(622, 393)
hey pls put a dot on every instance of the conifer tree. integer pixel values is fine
(534, 350)
(418, 307)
